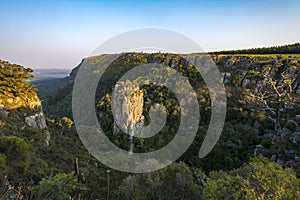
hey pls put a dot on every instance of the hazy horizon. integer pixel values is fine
(72, 67)
(59, 34)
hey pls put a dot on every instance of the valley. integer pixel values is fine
(258, 153)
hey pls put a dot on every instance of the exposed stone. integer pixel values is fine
(284, 131)
(47, 139)
(172, 63)
(226, 78)
(269, 136)
(246, 82)
(257, 149)
(273, 158)
(128, 109)
(128, 106)
(297, 157)
(36, 121)
(290, 153)
(3, 112)
(280, 162)
(295, 138)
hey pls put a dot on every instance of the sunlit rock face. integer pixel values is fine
(37, 121)
(128, 109)
(21, 117)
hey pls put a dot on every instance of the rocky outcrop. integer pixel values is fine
(128, 106)
(21, 118)
(37, 121)
(128, 109)
(20, 107)
(248, 71)
(271, 88)
(3, 112)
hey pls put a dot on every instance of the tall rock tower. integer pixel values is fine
(127, 105)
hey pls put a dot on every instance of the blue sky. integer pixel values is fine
(58, 34)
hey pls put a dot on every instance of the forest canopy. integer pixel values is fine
(15, 91)
(285, 49)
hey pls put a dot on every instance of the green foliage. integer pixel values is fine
(67, 122)
(246, 123)
(18, 157)
(61, 186)
(266, 143)
(255, 73)
(239, 137)
(60, 157)
(14, 84)
(46, 91)
(17, 152)
(260, 179)
(290, 125)
(153, 94)
(2, 162)
(177, 181)
(285, 49)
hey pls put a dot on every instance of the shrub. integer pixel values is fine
(17, 152)
(260, 179)
(266, 143)
(61, 186)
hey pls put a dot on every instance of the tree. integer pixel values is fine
(61, 186)
(17, 153)
(13, 83)
(176, 181)
(276, 98)
(285, 49)
(66, 123)
(260, 179)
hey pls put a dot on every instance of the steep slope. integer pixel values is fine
(263, 106)
(262, 118)
(53, 92)
(19, 103)
(33, 164)
(22, 126)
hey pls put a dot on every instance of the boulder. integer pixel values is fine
(3, 112)
(36, 121)
(295, 138)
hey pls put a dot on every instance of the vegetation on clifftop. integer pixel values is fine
(15, 91)
(284, 49)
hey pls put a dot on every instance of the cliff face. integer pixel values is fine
(246, 71)
(20, 106)
(128, 108)
(263, 93)
(269, 90)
